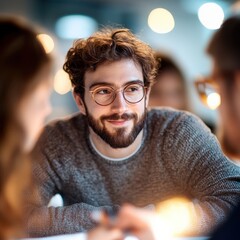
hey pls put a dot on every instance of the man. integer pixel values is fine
(115, 151)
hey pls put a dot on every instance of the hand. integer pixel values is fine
(173, 217)
(136, 221)
(103, 233)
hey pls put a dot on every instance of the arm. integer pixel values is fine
(99, 233)
(138, 222)
(44, 221)
(210, 179)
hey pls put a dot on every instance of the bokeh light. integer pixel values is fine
(178, 215)
(213, 100)
(211, 15)
(62, 84)
(47, 42)
(160, 20)
(75, 26)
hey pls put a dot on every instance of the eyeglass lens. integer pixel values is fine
(105, 95)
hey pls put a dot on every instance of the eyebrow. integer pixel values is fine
(137, 81)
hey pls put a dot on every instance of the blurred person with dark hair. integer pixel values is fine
(224, 49)
(170, 87)
(24, 103)
(116, 151)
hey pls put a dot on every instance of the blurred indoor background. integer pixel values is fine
(180, 28)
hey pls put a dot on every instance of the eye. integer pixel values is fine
(103, 91)
(133, 88)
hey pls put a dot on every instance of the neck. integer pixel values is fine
(105, 149)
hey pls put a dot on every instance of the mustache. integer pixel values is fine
(116, 116)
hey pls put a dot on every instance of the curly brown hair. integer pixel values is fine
(108, 45)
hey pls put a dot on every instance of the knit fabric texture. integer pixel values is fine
(179, 156)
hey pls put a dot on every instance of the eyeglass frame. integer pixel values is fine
(121, 89)
(203, 82)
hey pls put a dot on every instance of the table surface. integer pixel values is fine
(81, 236)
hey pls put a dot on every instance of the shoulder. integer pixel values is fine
(68, 127)
(172, 118)
(165, 114)
(178, 129)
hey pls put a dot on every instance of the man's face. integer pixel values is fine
(120, 122)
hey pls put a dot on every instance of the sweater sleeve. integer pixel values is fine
(209, 178)
(44, 221)
(47, 221)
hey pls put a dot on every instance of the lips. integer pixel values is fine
(119, 122)
(118, 117)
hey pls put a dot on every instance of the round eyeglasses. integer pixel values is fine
(105, 95)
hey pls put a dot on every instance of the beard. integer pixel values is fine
(119, 137)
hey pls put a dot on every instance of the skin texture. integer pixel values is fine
(104, 233)
(34, 108)
(103, 116)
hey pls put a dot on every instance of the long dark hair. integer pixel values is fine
(21, 58)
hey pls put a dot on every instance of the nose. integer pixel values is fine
(119, 104)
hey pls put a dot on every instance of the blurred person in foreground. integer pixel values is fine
(25, 87)
(224, 49)
(115, 151)
(24, 103)
(170, 87)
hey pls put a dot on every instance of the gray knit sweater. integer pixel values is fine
(178, 156)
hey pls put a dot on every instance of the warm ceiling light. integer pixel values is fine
(62, 84)
(161, 20)
(47, 42)
(211, 15)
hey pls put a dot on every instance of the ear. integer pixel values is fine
(79, 102)
(147, 95)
